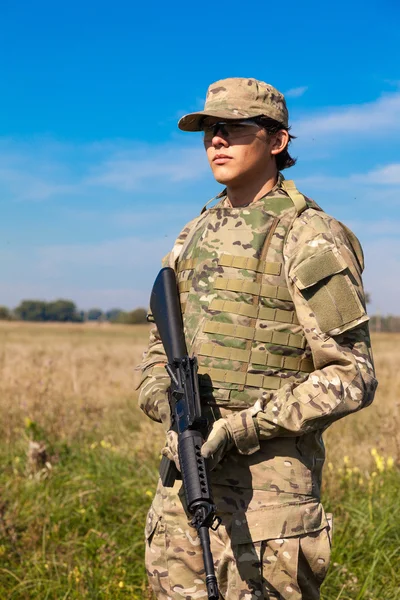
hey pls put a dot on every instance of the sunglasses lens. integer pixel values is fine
(232, 130)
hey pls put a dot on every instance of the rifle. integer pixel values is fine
(186, 419)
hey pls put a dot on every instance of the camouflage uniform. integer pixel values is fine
(274, 309)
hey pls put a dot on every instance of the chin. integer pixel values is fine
(223, 177)
(223, 180)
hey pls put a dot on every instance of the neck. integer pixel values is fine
(241, 194)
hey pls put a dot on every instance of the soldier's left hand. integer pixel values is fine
(237, 429)
(219, 441)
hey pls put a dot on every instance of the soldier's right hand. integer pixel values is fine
(170, 449)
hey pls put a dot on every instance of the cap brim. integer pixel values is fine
(192, 121)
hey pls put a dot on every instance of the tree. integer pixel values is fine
(61, 310)
(134, 317)
(37, 310)
(94, 314)
(137, 316)
(31, 310)
(113, 314)
(5, 314)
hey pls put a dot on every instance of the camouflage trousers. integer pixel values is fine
(263, 548)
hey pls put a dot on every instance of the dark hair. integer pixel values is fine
(283, 159)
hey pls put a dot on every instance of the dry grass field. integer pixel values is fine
(80, 466)
(74, 380)
(378, 426)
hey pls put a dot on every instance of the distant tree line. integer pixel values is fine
(63, 311)
(66, 311)
(388, 324)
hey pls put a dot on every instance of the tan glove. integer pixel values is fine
(238, 429)
(170, 449)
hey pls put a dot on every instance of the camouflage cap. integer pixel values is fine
(239, 98)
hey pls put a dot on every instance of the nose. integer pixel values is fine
(219, 140)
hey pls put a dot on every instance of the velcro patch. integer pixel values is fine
(318, 267)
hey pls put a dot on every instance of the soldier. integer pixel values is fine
(274, 309)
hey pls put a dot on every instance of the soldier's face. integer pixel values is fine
(235, 159)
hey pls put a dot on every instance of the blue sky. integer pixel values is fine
(95, 178)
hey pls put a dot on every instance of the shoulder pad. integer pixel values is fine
(312, 204)
(355, 244)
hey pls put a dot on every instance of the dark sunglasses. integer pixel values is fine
(229, 129)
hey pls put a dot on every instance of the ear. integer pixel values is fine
(279, 141)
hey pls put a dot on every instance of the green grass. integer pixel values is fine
(366, 541)
(76, 531)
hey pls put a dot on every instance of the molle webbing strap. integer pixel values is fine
(237, 285)
(259, 335)
(278, 315)
(234, 308)
(248, 310)
(291, 363)
(295, 196)
(189, 263)
(250, 264)
(184, 286)
(217, 351)
(275, 291)
(237, 331)
(280, 338)
(269, 382)
(251, 287)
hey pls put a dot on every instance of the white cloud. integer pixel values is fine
(387, 175)
(32, 170)
(368, 119)
(41, 169)
(296, 92)
(45, 169)
(128, 174)
(22, 185)
(380, 184)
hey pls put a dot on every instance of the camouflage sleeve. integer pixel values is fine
(154, 381)
(323, 262)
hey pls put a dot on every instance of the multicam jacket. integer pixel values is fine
(274, 309)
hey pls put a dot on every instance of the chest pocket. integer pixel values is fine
(326, 284)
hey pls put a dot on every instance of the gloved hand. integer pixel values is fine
(218, 443)
(170, 449)
(154, 401)
(237, 429)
